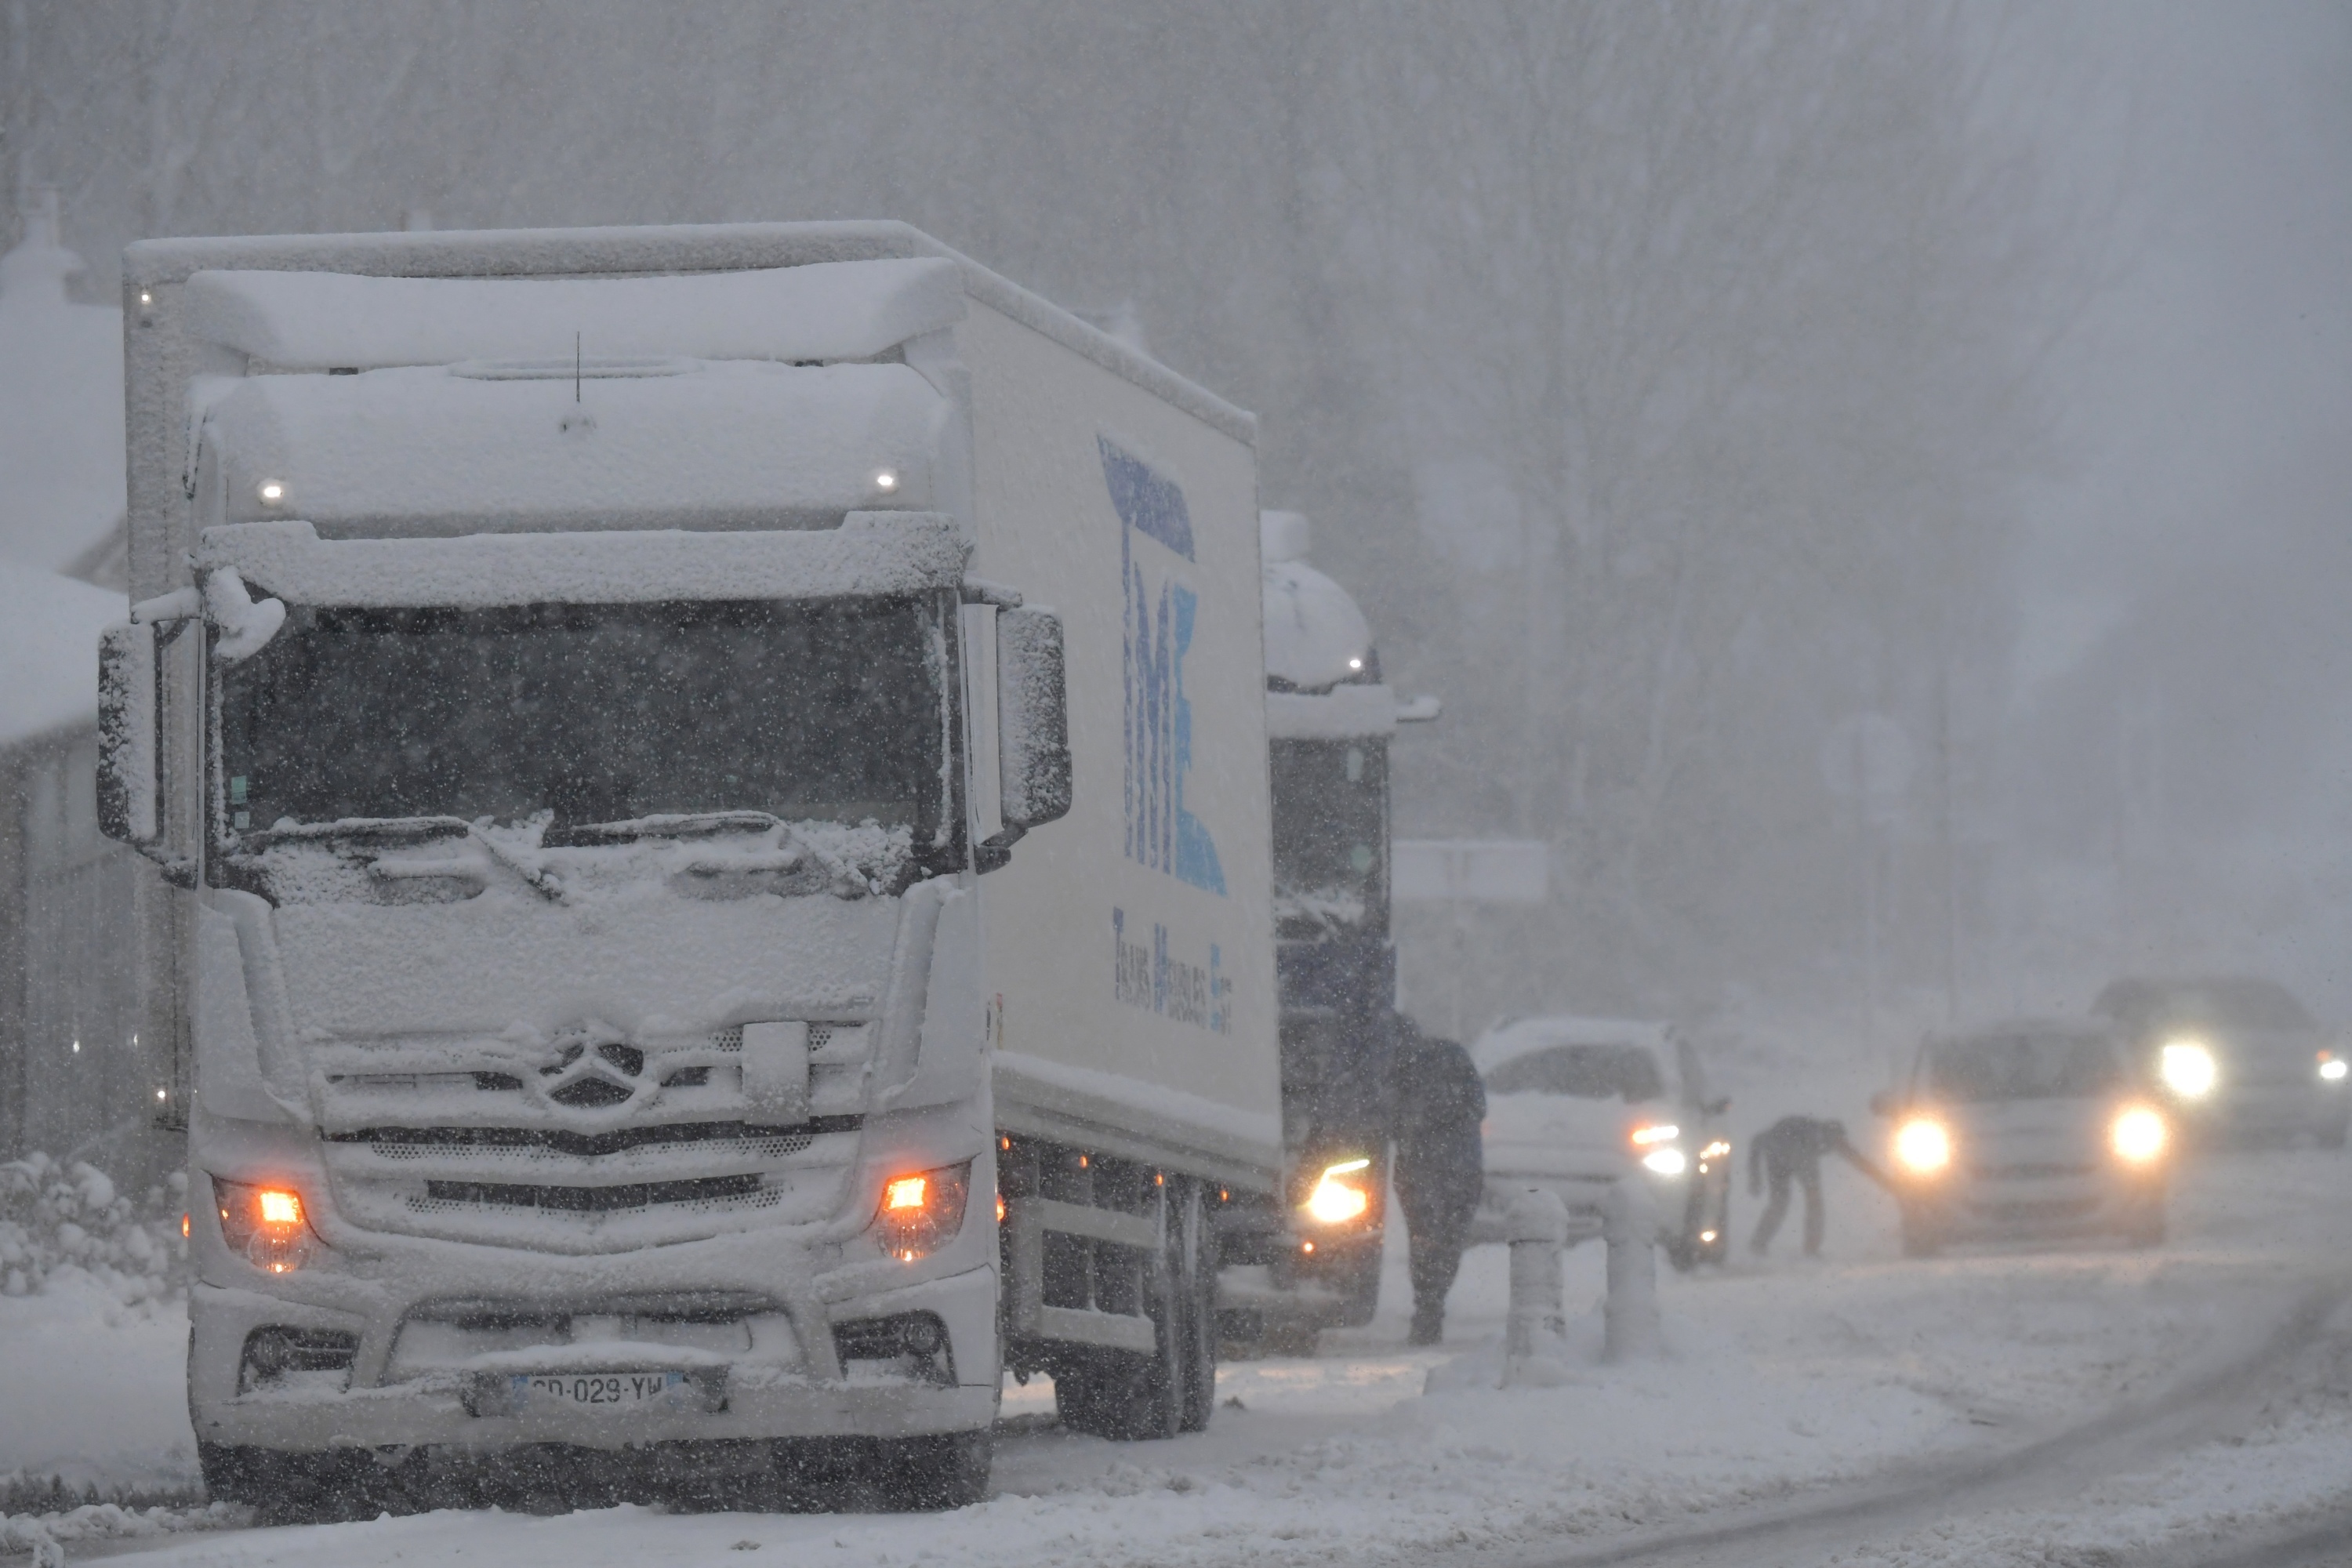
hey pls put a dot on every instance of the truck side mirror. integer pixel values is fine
(1032, 718)
(127, 803)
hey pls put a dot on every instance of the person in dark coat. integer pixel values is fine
(1789, 1154)
(1440, 1165)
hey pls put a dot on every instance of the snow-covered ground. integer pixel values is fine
(1780, 1379)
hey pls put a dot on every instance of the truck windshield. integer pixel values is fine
(599, 713)
(2026, 1066)
(1330, 833)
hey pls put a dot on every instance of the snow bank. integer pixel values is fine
(828, 310)
(67, 1221)
(875, 553)
(93, 1391)
(49, 646)
(684, 443)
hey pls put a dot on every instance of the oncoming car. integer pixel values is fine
(2028, 1127)
(1574, 1104)
(2237, 1057)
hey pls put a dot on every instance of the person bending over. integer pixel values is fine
(1789, 1154)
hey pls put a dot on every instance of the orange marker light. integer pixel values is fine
(1305, 1247)
(185, 1227)
(280, 1208)
(1082, 1161)
(1000, 1208)
(906, 1193)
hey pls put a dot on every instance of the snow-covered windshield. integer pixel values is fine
(1331, 834)
(2025, 1067)
(1587, 1072)
(827, 710)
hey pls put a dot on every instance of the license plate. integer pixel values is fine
(596, 1390)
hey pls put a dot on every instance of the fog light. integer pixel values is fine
(1666, 1162)
(922, 1212)
(271, 491)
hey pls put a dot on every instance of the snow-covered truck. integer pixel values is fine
(712, 788)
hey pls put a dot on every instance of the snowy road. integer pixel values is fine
(2037, 1405)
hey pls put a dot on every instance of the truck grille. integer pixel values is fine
(455, 1140)
(594, 1200)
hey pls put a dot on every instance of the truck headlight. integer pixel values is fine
(1335, 1200)
(2187, 1068)
(1657, 1132)
(1923, 1146)
(264, 1222)
(2332, 1068)
(2138, 1134)
(1666, 1162)
(923, 1211)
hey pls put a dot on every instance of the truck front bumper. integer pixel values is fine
(391, 1399)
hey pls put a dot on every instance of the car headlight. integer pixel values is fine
(2137, 1135)
(2187, 1068)
(1335, 1200)
(1666, 1162)
(1923, 1146)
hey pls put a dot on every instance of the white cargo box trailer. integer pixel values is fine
(694, 769)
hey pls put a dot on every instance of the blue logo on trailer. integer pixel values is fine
(1160, 832)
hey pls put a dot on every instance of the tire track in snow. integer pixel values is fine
(2127, 1437)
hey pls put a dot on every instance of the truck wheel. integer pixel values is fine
(1129, 1397)
(1197, 1291)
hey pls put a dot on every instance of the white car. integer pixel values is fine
(1573, 1105)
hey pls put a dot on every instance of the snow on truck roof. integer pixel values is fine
(679, 251)
(827, 310)
(636, 444)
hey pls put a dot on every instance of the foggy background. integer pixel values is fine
(1672, 385)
